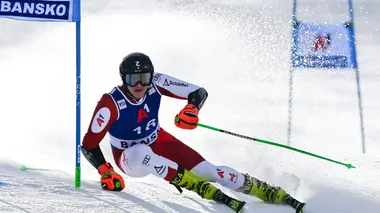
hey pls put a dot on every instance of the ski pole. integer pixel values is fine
(25, 168)
(349, 166)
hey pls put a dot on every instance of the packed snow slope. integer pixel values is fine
(239, 51)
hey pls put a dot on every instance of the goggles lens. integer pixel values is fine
(135, 78)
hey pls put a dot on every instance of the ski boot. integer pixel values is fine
(297, 205)
(270, 194)
(263, 191)
(193, 182)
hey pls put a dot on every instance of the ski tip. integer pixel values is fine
(239, 209)
(300, 208)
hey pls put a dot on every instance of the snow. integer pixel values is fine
(237, 50)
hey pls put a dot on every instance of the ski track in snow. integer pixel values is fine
(54, 192)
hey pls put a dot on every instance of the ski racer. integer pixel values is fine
(140, 146)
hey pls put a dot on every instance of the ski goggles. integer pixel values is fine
(133, 79)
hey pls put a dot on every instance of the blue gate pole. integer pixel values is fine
(356, 67)
(78, 97)
(291, 74)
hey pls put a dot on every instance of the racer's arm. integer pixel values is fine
(104, 115)
(179, 89)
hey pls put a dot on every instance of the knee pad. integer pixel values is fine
(140, 160)
(135, 160)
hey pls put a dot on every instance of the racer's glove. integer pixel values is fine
(110, 180)
(187, 118)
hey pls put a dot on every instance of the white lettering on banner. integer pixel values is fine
(30, 8)
(5, 6)
(138, 130)
(146, 108)
(150, 123)
(123, 144)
